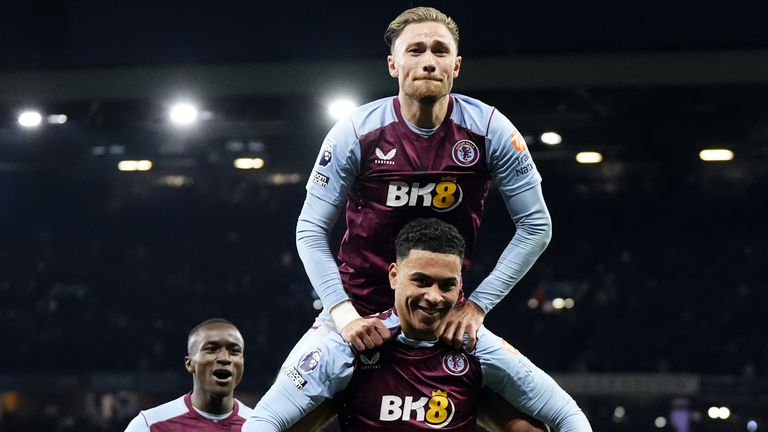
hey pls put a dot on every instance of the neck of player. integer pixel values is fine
(211, 403)
(424, 113)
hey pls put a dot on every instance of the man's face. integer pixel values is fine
(426, 287)
(424, 60)
(216, 359)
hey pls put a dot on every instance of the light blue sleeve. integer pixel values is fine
(312, 233)
(335, 171)
(515, 378)
(138, 424)
(518, 181)
(337, 165)
(317, 377)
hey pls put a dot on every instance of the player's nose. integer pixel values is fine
(433, 294)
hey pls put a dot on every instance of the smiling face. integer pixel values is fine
(426, 287)
(425, 61)
(215, 360)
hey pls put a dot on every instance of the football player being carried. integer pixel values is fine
(415, 382)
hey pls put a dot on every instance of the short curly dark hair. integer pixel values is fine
(430, 234)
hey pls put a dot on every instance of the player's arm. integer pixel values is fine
(301, 388)
(518, 182)
(138, 424)
(336, 168)
(512, 376)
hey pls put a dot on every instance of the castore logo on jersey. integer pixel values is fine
(382, 158)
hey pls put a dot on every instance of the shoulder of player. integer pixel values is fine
(166, 411)
(473, 114)
(243, 410)
(373, 115)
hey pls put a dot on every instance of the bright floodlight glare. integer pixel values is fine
(134, 165)
(751, 426)
(716, 155)
(713, 412)
(30, 119)
(57, 119)
(244, 163)
(569, 303)
(589, 157)
(341, 108)
(249, 163)
(183, 113)
(551, 138)
(143, 165)
(725, 413)
(660, 422)
(558, 303)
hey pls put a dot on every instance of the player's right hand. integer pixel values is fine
(365, 333)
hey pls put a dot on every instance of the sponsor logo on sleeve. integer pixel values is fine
(385, 158)
(320, 179)
(296, 378)
(326, 154)
(455, 363)
(509, 347)
(465, 153)
(310, 360)
(518, 142)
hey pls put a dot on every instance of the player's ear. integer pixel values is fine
(392, 66)
(393, 275)
(188, 364)
(457, 67)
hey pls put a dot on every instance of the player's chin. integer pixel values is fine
(429, 93)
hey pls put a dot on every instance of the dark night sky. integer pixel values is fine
(75, 34)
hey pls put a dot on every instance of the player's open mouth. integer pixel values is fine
(222, 375)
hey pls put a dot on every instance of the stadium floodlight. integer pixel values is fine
(660, 422)
(249, 163)
(134, 165)
(183, 114)
(589, 157)
(716, 155)
(341, 108)
(30, 119)
(58, 119)
(551, 138)
(558, 303)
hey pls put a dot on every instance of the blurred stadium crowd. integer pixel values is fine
(107, 274)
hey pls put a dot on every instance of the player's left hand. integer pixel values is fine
(465, 318)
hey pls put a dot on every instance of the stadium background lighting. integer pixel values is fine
(134, 165)
(715, 155)
(722, 413)
(551, 138)
(589, 157)
(660, 422)
(249, 163)
(30, 119)
(183, 114)
(58, 119)
(341, 108)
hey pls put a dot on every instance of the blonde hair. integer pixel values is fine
(419, 15)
